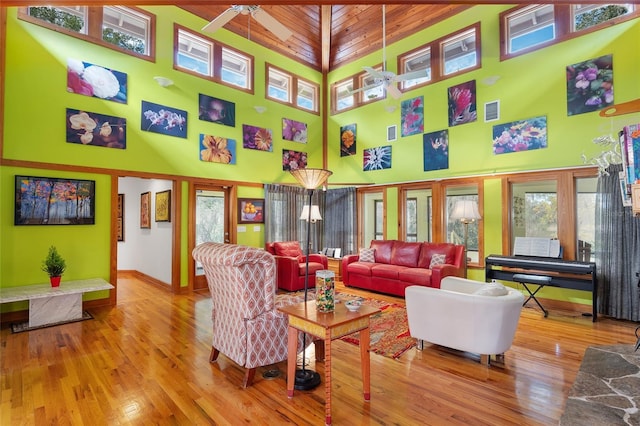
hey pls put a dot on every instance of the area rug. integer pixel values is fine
(389, 329)
(19, 327)
(607, 388)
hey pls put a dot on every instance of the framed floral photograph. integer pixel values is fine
(163, 206)
(217, 149)
(293, 160)
(164, 120)
(412, 116)
(254, 137)
(250, 210)
(90, 128)
(348, 136)
(436, 150)
(294, 130)
(590, 85)
(145, 210)
(85, 78)
(522, 135)
(462, 103)
(217, 110)
(376, 158)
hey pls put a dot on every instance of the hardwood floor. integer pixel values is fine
(145, 361)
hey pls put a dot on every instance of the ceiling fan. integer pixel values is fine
(266, 20)
(387, 78)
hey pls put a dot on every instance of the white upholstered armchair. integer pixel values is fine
(247, 327)
(456, 316)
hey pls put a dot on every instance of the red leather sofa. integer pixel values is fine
(291, 265)
(399, 264)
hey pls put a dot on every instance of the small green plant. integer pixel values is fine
(54, 264)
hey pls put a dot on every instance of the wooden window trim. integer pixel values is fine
(294, 89)
(94, 29)
(356, 80)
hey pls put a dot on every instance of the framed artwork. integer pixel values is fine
(294, 130)
(87, 79)
(216, 110)
(90, 128)
(376, 158)
(164, 120)
(436, 150)
(163, 206)
(257, 138)
(251, 210)
(54, 201)
(120, 218)
(348, 136)
(216, 149)
(293, 160)
(462, 103)
(145, 210)
(522, 135)
(590, 85)
(412, 116)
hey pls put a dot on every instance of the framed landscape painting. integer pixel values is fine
(54, 201)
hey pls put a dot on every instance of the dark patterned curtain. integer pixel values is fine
(340, 230)
(617, 250)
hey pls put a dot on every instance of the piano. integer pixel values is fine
(570, 274)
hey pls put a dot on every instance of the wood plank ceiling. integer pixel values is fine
(355, 30)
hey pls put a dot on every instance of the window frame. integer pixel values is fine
(357, 82)
(294, 89)
(94, 25)
(563, 22)
(216, 59)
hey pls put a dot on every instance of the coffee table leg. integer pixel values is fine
(327, 380)
(292, 345)
(365, 361)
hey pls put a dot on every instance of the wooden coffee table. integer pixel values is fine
(328, 326)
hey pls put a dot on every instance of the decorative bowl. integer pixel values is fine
(353, 305)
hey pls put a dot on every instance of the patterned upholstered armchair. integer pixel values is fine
(247, 327)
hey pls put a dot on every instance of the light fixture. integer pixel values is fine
(310, 179)
(315, 213)
(260, 109)
(466, 211)
(163, 81)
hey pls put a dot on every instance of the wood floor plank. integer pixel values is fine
(146, 361)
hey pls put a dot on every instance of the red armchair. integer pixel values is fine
(291, 264)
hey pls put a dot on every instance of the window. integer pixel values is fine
(459, 232)
(455, 53)
(290, 89)
(411, 233)
(375, 88)
(126, 29)
(372, 220)
(204, 57)
(354, 91)
(418, 215)
(344, 97)
(525, 29)
(378, 232)
(586, 218)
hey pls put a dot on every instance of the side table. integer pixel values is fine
(328, 326)
(335, 265)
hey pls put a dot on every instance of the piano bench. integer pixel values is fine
(538, 280)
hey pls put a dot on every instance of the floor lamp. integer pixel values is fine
(466, 211)
(310, 179)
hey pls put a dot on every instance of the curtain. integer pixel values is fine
(617, 246)
(340, 230)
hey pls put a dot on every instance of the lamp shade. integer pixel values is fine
(466, 211)
(315, 213)
(311, 178)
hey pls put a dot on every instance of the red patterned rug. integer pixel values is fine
(389, 329)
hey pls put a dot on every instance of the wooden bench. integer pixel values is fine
(50, 305)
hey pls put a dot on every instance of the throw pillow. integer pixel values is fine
(437, 259)
(367, 255)
(492, 289)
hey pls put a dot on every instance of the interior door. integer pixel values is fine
(211, 216)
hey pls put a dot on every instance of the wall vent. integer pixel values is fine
(392, 133)
(492, 111)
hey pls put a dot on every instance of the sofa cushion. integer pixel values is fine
(429, 249)
(381, 270)
(313, 268)
(360, 268)
(405, 254)
(383, 250)
(367, 255)
(416, 276)
(437, 259)
(288, 248)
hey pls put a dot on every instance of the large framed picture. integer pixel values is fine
(163, 206)
(54, 201)
(250, 210)
(145, 210)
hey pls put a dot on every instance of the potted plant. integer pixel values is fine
(54, 265)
